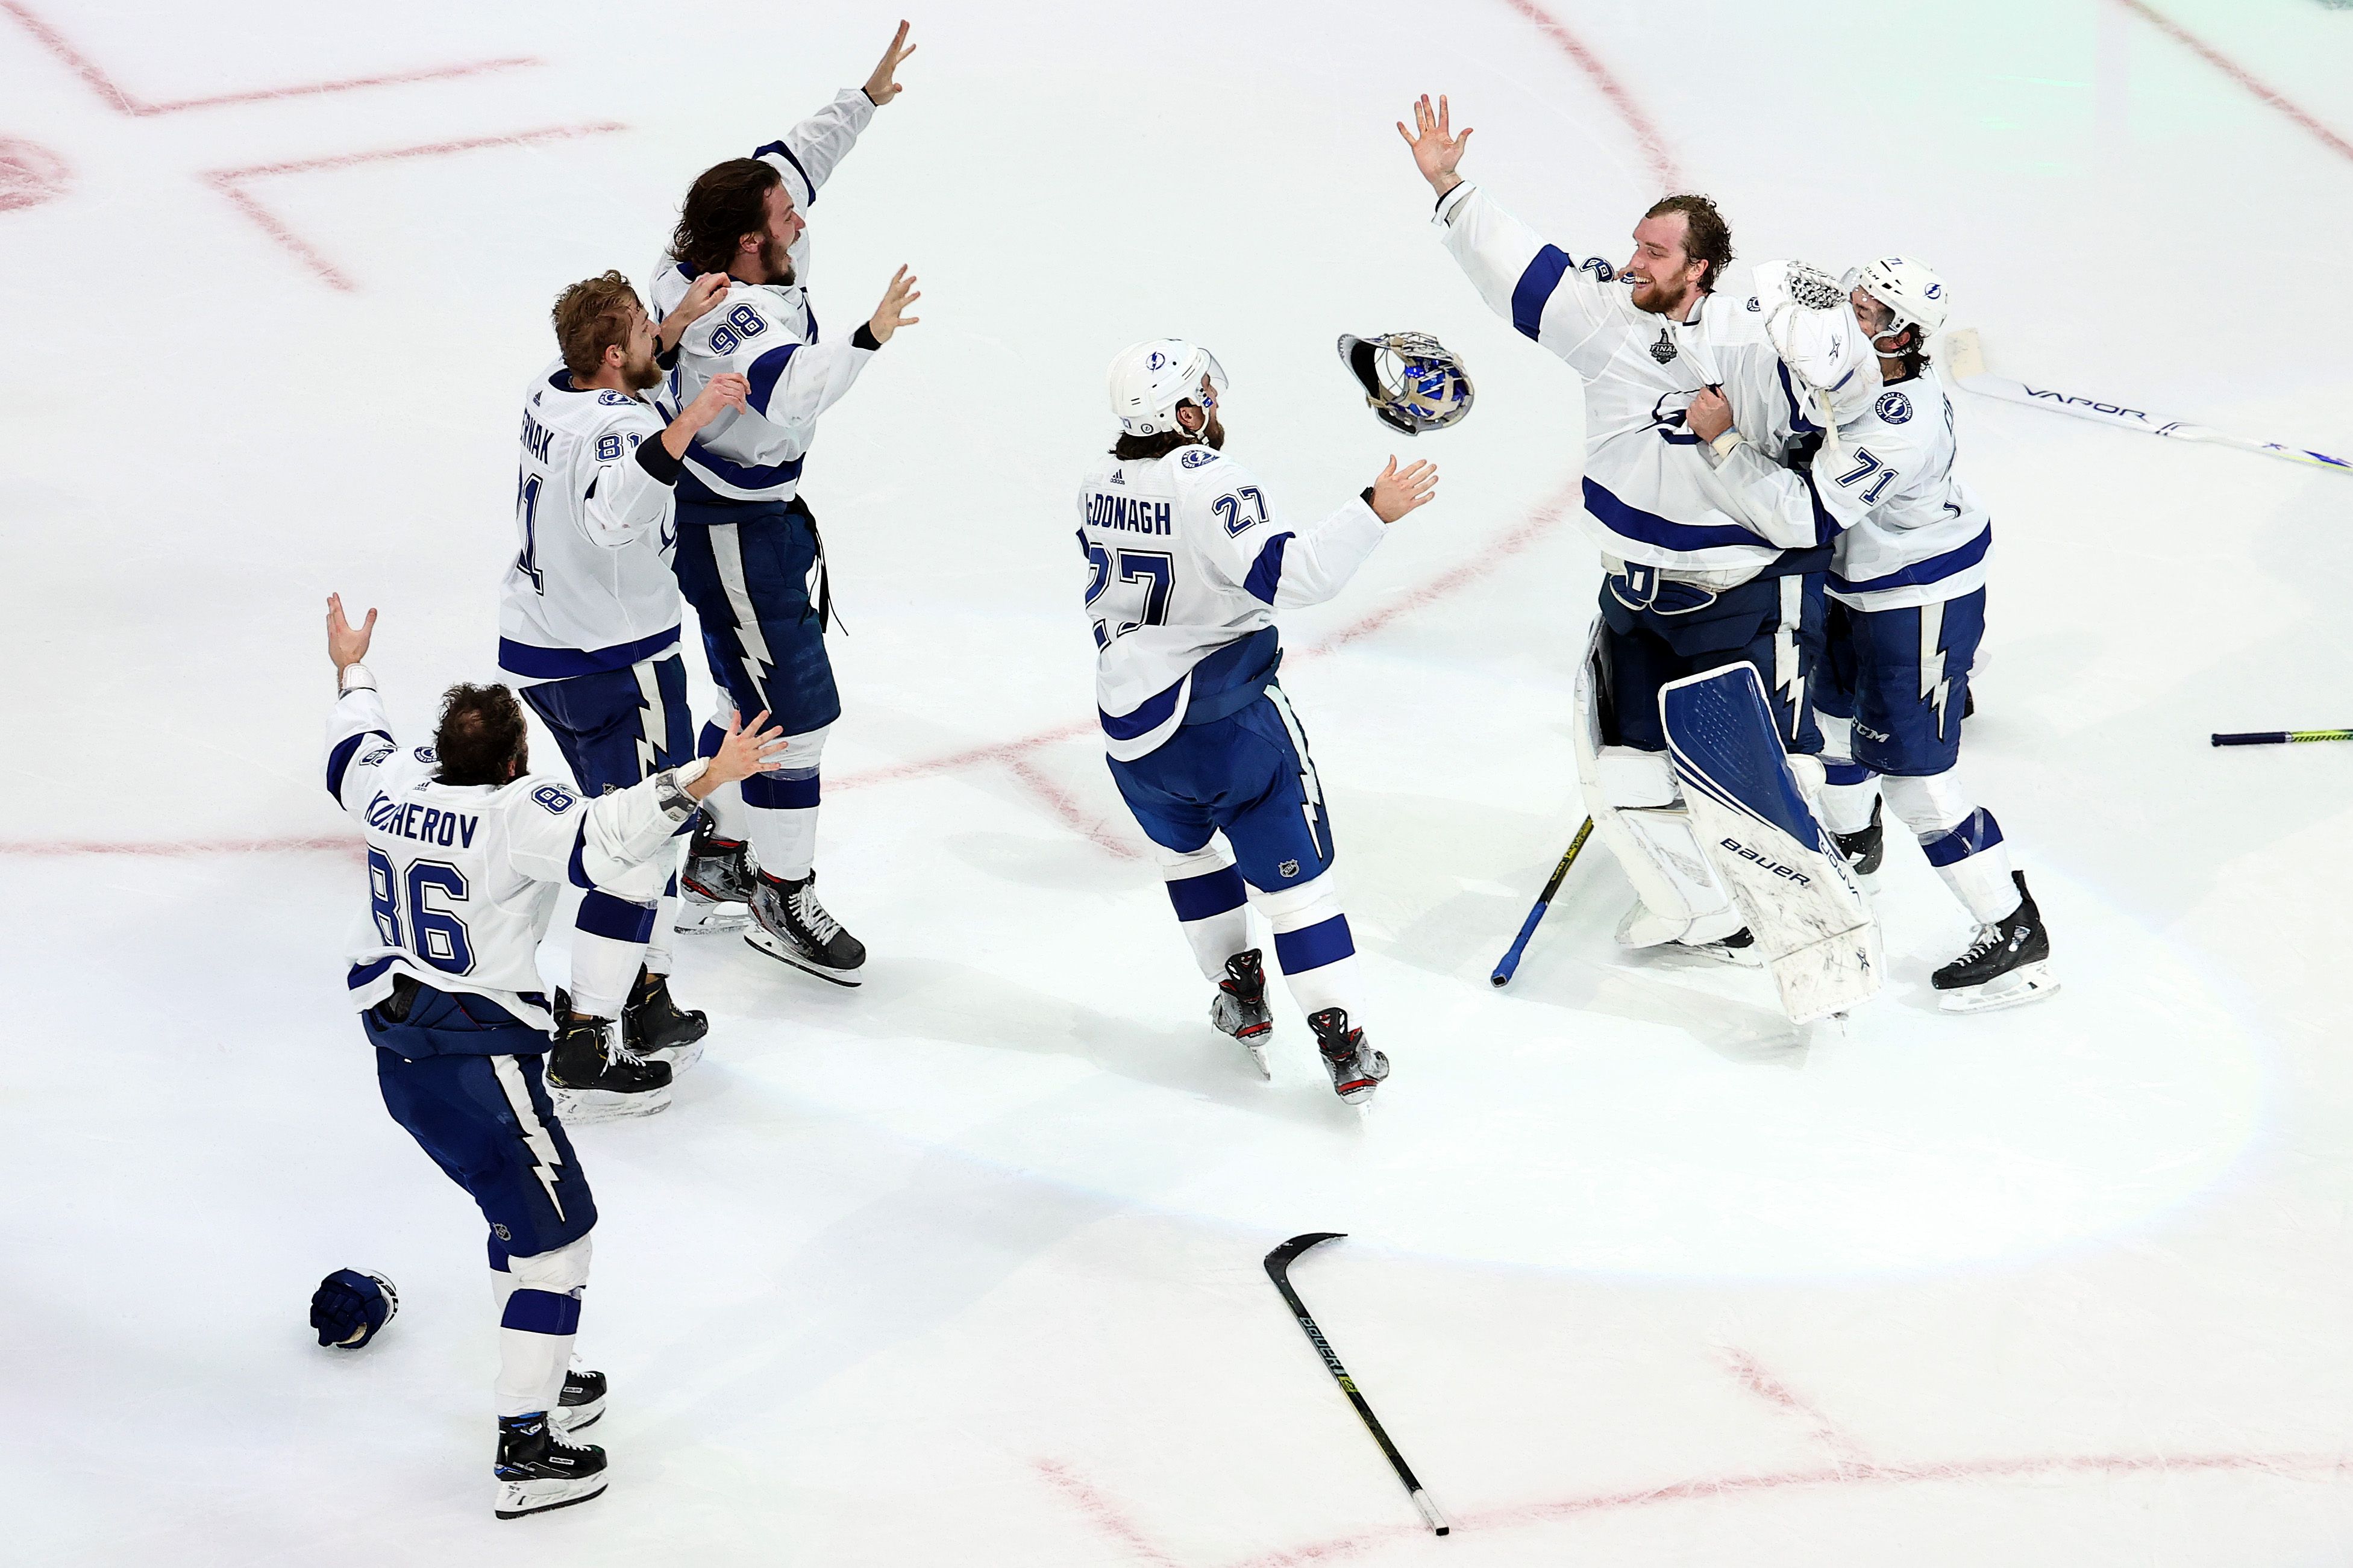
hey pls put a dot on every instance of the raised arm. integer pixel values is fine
(1288, 568)
(809, 153)
(1545, 293)
(790, 384)
(359, 736)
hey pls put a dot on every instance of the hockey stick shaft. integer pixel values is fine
(1277, 1269)
(1510, 964)
(1965, 355)
(2281, 737)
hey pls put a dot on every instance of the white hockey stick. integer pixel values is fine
(1965, 358)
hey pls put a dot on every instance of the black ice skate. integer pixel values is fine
(716, 888)
(657, 1029)
(538, 1470)
(1239, 1006)
(2006, 963)
(1355, 1068)
(792, 927)
(584, 1402)
(592, 1077)
(1865, 848)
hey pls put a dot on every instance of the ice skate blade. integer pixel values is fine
(566, 1420)
(579, 1107)
(759, 939)
(518, 1500)
(2029, 983)
(710, 919)
(680, 1058)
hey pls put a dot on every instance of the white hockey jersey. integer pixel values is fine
(463, 879)
(1652, 495)
(767, 333)
(1187, 564)
(590, 588)
(1923, 538)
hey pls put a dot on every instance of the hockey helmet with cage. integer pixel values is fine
(1412, 381)
(1913, 292)
(1149, 379)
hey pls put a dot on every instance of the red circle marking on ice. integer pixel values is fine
(29, 175)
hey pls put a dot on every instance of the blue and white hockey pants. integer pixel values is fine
(755, 573)
(463, 1076)
(1234, 804)
(616, 728)
(1892, 690)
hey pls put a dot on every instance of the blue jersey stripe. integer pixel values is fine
(764, 371)
(1148, 716)
(1535, 289)
(1922, 573)
(535, 663)
(1633, 522)
(1266, 573)
(743, 475)
(339, 761)
(781, 151)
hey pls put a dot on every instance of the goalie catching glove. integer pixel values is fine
(1412, 381)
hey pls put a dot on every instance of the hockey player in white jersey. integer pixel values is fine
(1908, 594)
(749, 556)
(588, 614)
(1187, 565)
(1708, 560)
(465, 851)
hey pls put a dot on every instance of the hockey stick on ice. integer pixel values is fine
(2283, 737)
(1277, 1269)
(1509, 965)
(1965, 357)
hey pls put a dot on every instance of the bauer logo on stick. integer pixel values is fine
(1411, 380)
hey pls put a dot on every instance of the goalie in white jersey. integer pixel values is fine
(588, 614)
(1187, 565)
(465, 851)
(749, 556)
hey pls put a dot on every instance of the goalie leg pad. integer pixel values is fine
(1756, 824)
(1632, 796)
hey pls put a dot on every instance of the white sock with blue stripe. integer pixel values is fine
(537, 1325)
(782, 803)
(1961, 839)
(1849, 789)
(1313, 946)
(1211, 902)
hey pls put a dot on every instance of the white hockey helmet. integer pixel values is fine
(1813, 327)
(1148, 381)
(1915, 293)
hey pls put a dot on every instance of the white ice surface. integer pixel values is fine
(962, 1268)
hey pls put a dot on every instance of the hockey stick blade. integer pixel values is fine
(1509, 965)
(1965, 356)
(1277, 1269)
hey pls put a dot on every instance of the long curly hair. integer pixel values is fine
(726, 201)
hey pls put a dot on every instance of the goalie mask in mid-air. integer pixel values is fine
(1412, 381)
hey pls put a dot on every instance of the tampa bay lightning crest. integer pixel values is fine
(1893, 407)
(1196, 456)
(1664, 350)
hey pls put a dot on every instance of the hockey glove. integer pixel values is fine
(349, 1307)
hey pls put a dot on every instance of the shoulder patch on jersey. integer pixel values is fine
(1753, 304)
(1893, 407)
(555, 797)
(1198, 457)
(427, 754)
(377, 756)
(615, 397)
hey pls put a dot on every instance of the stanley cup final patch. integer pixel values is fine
(1664, 350)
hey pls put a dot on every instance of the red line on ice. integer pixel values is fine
(1104, 1513)
(1753, 1377)
(2235, 72)
(230, 183)
(1655, 146)
(95, 76)
(1719, 1488)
